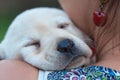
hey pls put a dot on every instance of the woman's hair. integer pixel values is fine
(111, 31)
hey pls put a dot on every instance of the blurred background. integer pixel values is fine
(10, 8)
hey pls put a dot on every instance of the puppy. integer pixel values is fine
(47, 39)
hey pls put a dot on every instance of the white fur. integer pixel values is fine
(41, 25)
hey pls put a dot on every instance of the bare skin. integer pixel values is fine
(17, 70)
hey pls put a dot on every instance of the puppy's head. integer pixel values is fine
(47, 39)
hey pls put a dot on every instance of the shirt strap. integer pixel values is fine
(42, 75)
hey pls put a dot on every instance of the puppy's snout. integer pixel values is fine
(65, 46)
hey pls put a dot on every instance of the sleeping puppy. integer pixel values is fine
(47, 39)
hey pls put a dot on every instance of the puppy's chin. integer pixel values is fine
(78, 62)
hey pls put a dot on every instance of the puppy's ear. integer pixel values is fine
(1, 53)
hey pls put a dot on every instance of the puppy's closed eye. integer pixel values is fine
(62, 22)
(63, 25)
(31, 48)
(35, 43)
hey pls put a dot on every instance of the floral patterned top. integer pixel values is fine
(86, 73)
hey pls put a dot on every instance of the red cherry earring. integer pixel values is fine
(99, 17)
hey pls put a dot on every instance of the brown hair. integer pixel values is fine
(111, 31)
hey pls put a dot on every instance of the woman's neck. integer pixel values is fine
(110, 59)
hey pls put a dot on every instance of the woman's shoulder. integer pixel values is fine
(85, 73)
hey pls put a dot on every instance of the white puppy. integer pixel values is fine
(47, 39)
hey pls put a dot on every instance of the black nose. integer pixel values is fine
(65, 46)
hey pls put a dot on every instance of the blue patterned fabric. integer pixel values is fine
(86, 73)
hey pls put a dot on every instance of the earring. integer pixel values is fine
(99, 17)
